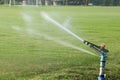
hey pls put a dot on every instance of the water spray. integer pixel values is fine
(100, 49)
(47, 17)
(27, 18)
(31, 31)
(41, 34)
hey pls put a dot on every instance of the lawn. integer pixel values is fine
(30, 48)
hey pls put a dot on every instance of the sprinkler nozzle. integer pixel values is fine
(96, 47)
(88, 43)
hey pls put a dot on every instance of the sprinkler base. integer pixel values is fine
(101, 78)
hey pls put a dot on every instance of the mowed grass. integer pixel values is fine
(25, 56)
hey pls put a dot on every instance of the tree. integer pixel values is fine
(116, 2)
(107, 2)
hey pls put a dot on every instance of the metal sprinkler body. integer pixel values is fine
(103, 54)
(102, 75)
(102, 67)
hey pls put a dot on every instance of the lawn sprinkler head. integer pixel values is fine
(103, 53)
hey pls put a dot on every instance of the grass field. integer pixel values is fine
(25, 56)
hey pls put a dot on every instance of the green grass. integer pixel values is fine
(33, 57)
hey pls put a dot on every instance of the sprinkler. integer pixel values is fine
(103, 53)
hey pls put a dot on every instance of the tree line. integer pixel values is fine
(69, 2)
(106, 2)
(94, 2)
